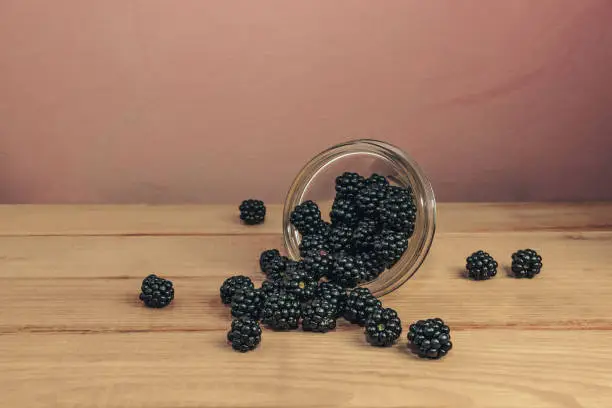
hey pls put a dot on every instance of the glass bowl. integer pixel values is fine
(316, 182)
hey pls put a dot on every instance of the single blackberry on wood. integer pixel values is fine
(360, 303)
(349, 184)
(244, 335)
(267, 256)
(281, 311)
(317, 263)
(526, 263)
(306, 217)
(391, 246)
(231, 285)
(344, 212)
(398, 213)
(156, 292)
(340, 238)
(383, 327)
(318, 316)
(252, 211)
(481, 266)
(346, 271)
(334, 294)
(430, 338)
(247, 302)
(314, 242)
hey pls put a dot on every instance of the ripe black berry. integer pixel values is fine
(269, 287)
(359, 305)
(383, 327)
(349, 184)
(317, 263)
(275, 269)
(344, 212)
(526, 263)
(364, 235)
(281, 311)
(334, 294)
(391, 246)
(233, 284)
(244, 335)
(369, 200)
(346, 271)
(156, 292)
(267, 256)
(247, 302)
(376, 180)
(481, 266)
(306, 217)
(299, 283)
(373, 264)
(313, 242)
(430, 338)
(340, 238)
(252, 211)
(398, 213)
(318, 316)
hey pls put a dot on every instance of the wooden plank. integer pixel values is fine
(486, 368)
(92, 283)
(223, 219)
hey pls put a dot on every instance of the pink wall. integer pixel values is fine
(212, 101)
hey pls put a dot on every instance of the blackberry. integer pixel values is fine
(267, 256)
(244, 335)
(398, 213)
(360, 303)
(430, 338)
(391, 246)
(364, 235)
(369, 200)
(347, 271)
(526, 263)
(394, 191)
(480, 266)
(376, 180)
(299, 283)
(306, 217)
(247, 302)
(231, 285)
(317, 263)
(269, 287)
(156, 292)
(313, 242)
(334, 294)
(340, 238)
(373, 264)
(383, 327)
(252, 211)
(349, 184)
(318, 316)
(281, 311)
(275, 269)
(344, 212)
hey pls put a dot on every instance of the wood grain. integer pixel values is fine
(73, 333)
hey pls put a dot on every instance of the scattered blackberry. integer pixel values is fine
(373, 264)
(347, 271)
(349, 184)
(247, 302)
(233, 284)
(313, 242)
(306, 217)
(317, 263)
(430, 338)
(269, 286)
(481, 266)
(369, 200)
(398, 213)
(364, 235)
(526, 263)
(340, 238)
(299, 283)
(391, 246)
(267, 256)
(383, 327)
(252, 211)
(275, 269)
(156, 292)
(281, 311)
(359, 305)
(334, 294)
(244, 335)
(344, 212)
(376, 180)
(318, 316)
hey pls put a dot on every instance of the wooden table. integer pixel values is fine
(73, 333)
